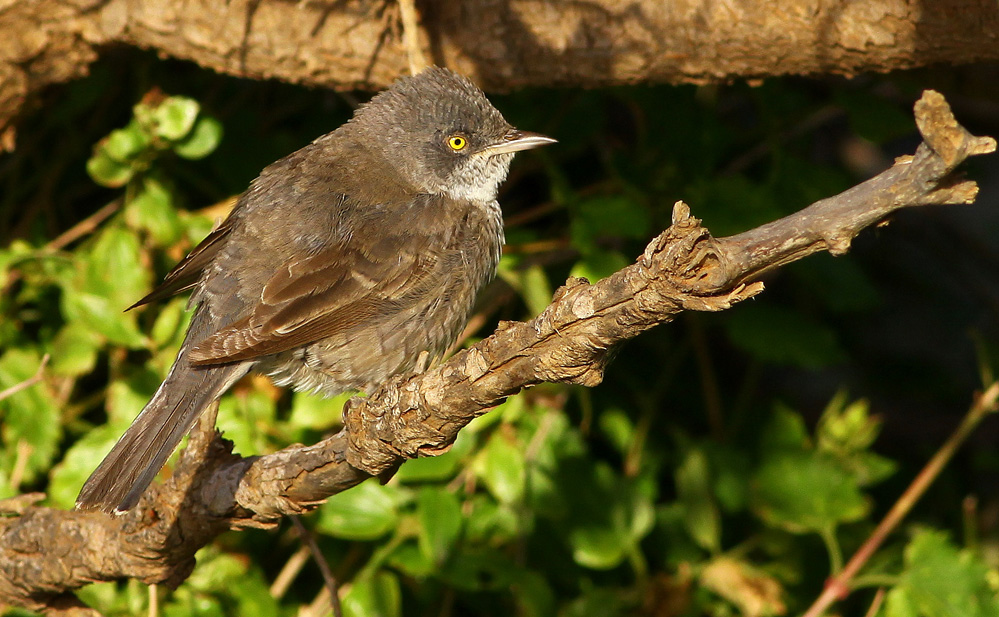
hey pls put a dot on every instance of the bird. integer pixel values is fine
(352, 260)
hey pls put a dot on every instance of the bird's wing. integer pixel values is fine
(187, 273)
(332, 291)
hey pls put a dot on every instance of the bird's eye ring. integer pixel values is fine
(457, 142)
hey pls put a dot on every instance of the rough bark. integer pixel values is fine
(46, 553)
(502, 44)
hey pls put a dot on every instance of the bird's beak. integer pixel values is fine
(515, 141)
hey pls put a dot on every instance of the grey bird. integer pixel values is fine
(349, 261)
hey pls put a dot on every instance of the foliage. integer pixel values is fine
(696, 480)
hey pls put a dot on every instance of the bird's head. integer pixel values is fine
(442, 135)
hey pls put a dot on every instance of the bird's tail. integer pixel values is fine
(124, 474)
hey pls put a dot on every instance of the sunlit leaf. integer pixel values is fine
(108, 172)
(81, 459)
(806, 491)
(501, 467)
(152, 209)
(376, 596)
(942, 580)
(202, 140)
(174, 118)
(74, 349)
(440, 522)
(364, 512)
(314, 412)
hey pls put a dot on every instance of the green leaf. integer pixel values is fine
(171, 324)
(365, 512)
(805, 491)
(731, 470)
(253, 596)
(533, 594)
(609, 518)
(202, 140)
(104, 316)
(730, 204)
(152, 210)
(617, 427)
(114, 599)
(217, 570)
(174, 118)
(898, 603)
(108, 172)
(478, 570)
(438, 468)
(74, 350)
(412, 561)
(846, 430)
(244, 419)
(942, 580)
(110, 278)
(124, 145)
(531, 283)
(489, 521)
(115, 158)
(440, 523)
(129, 394)
(375, 596)
(81, 459)
(535, 289)
(317, 413)
(785, 429)
(779, 335)
(599, 548)
(501, 466)
(599, 602)
(112, 267)
(694, 491)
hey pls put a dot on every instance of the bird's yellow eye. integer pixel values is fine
(457, 142)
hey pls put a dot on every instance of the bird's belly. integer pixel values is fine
(365, 357)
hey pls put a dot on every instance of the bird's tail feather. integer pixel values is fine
(126, 472)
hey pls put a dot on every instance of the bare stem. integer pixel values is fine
(839, 586)
(27, 383)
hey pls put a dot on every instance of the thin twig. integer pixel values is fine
(879, 597)
(24, 450)
(411, 36)
(84, 227)
(288, 573)
(154, 600)
(27, 383)
(19, 504)
(324, 567)
(839, 586)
